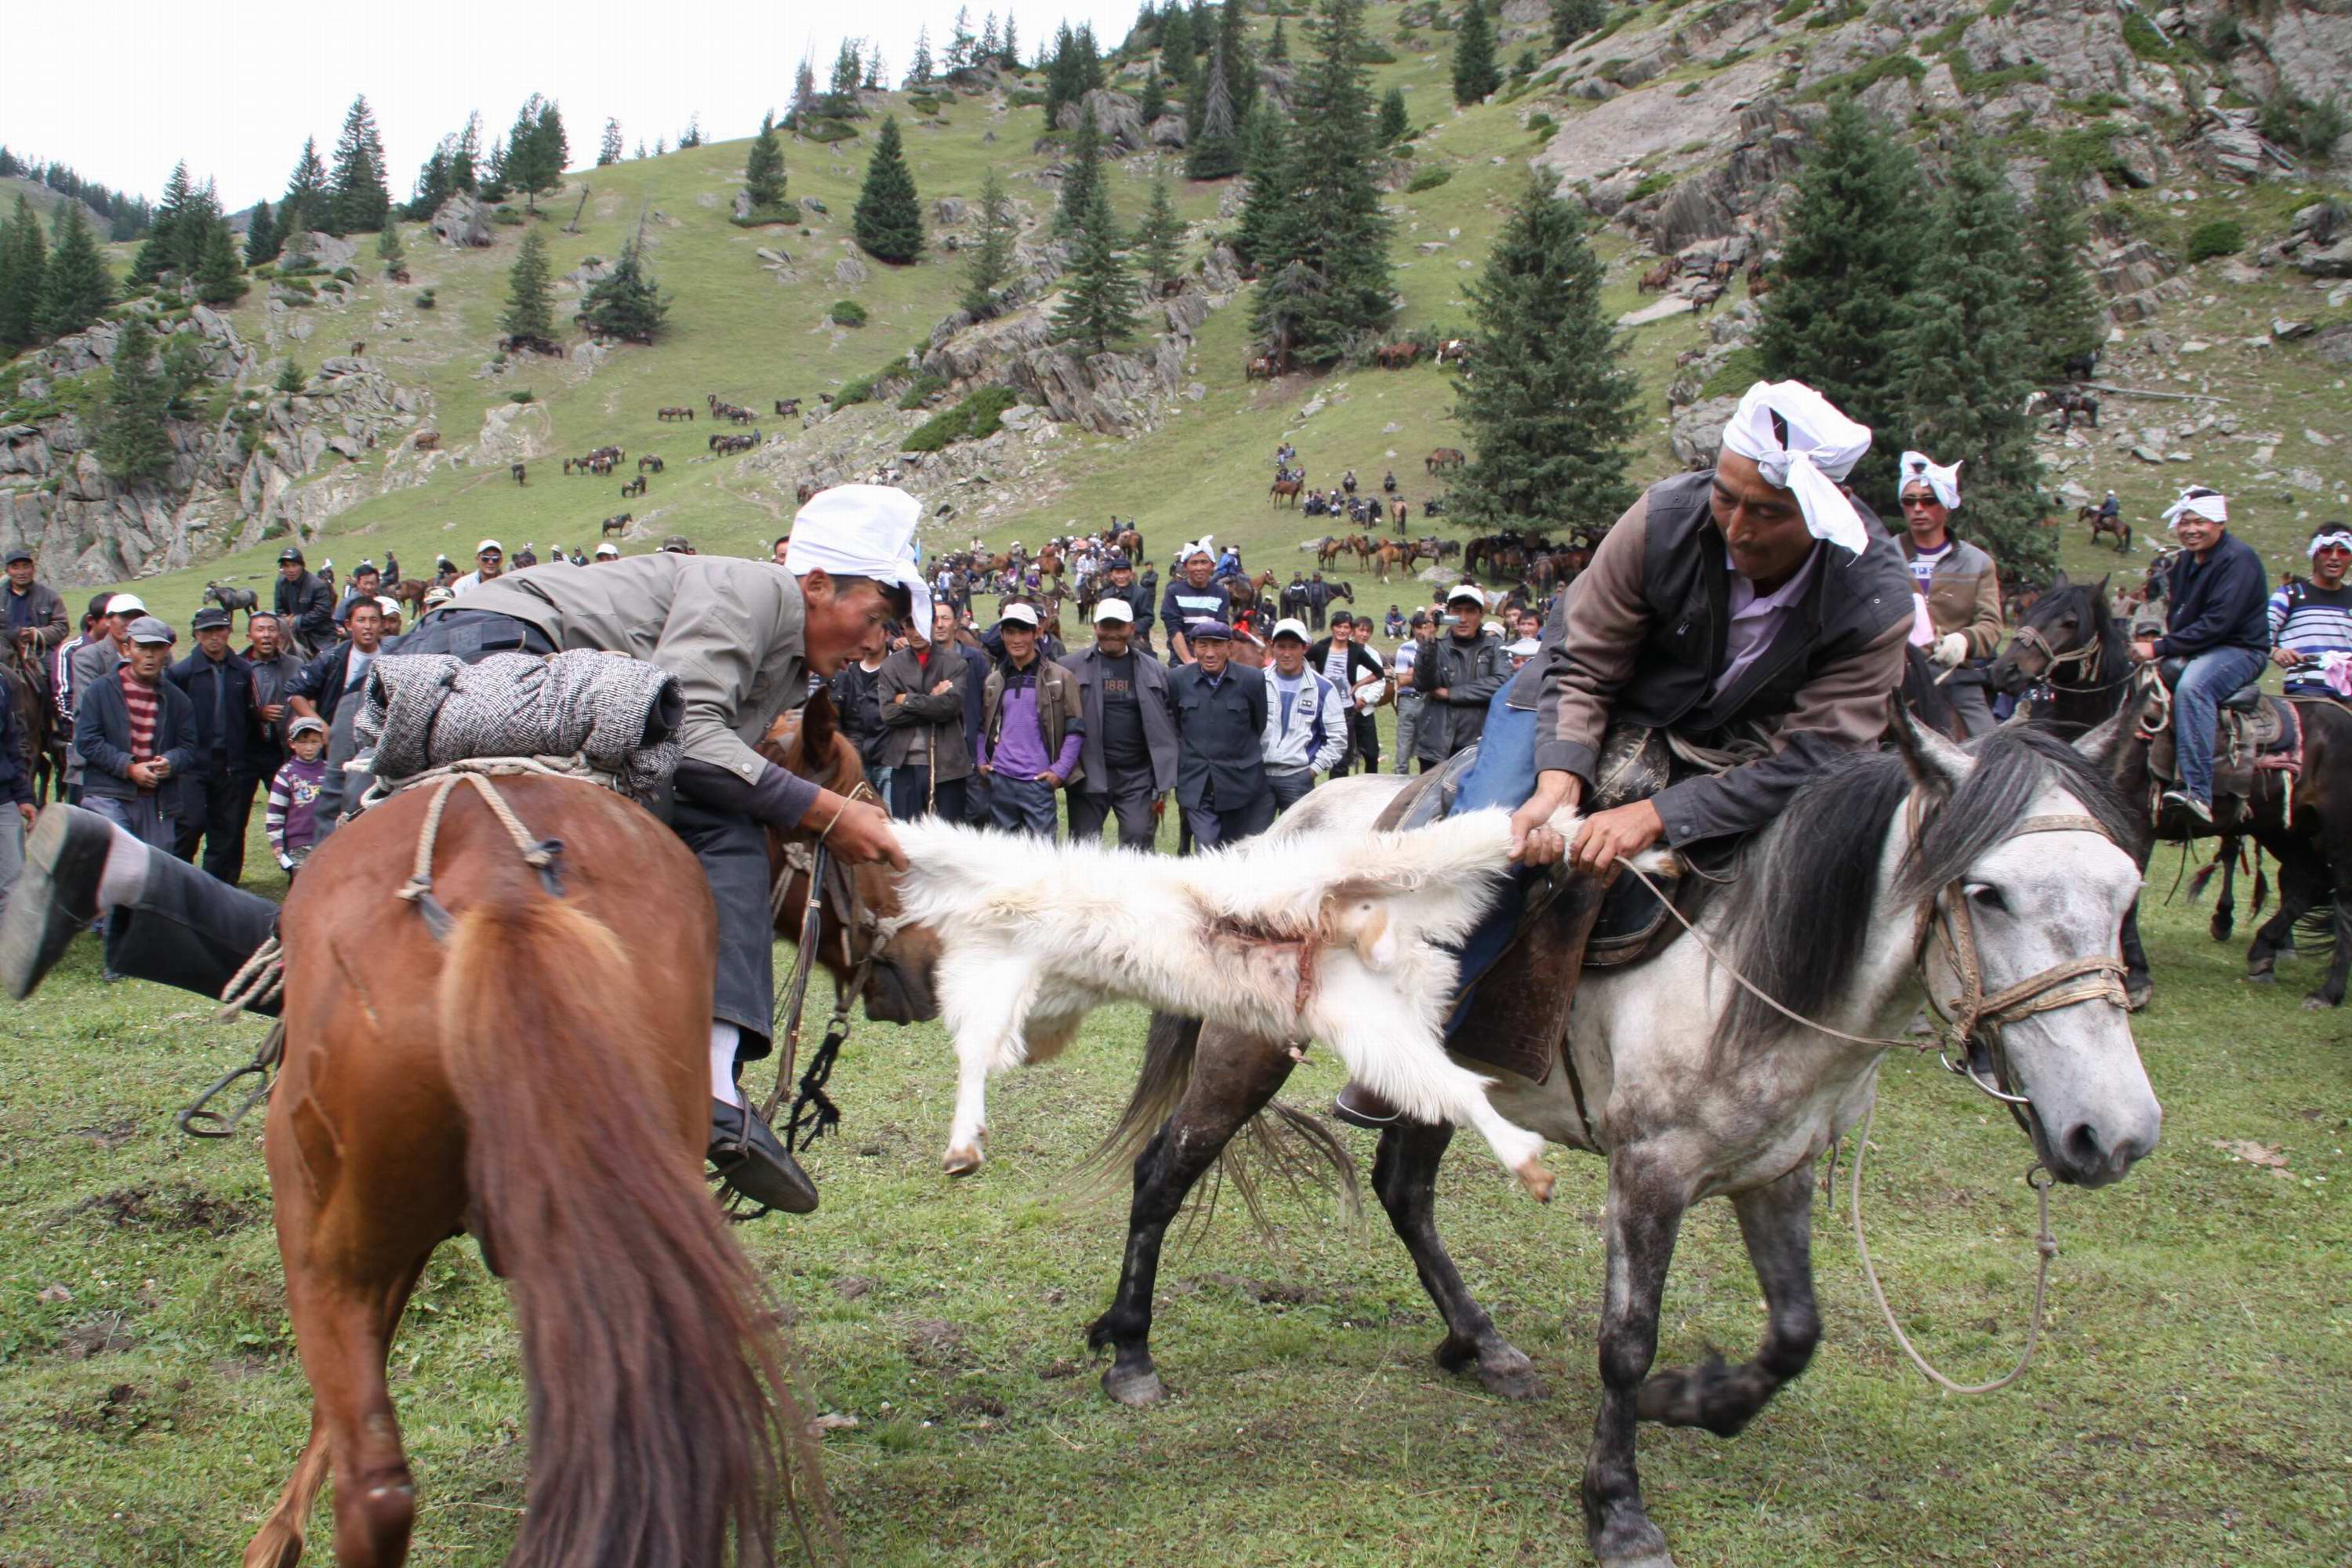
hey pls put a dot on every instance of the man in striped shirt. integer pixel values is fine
(2309, 620)
(136, 734)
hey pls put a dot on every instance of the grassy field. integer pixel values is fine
(2188, 1408)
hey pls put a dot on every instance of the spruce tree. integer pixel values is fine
(1009, 54)
(305, 192)
(1266, 142)
(192, 233)
(889, 220)
(24, 266)
(527, 314)
(1082, 179)
(608, 150)
(1476, 73)
(1215, 153)
(1175, 38)
(1061, 76)
(626, 303)
(388, 248)
(1836, 304)
(161, 252)
(692, 135)
(1098, 295)
(1241, 66)
(1326, 283)
(1572, 19)
(536, 150)
(763, 167)
(918, 70)
(466, 158)
(1154, 102)
(181, 371)
(1554, 406)
(1395, 119)
(1159, 238)
(1277, 48)
(76, 287)
(362, 203)
(2063, 315)
(134, 446)
(219, 276)
(260, 237)
(290, 379)
(1964, 362)
(989, 264)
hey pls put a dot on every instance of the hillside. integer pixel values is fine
(1680, 121)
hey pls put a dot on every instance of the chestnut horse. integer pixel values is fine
(533, 1080)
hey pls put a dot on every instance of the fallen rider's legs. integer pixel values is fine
(169, 922)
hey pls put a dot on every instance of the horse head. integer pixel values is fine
(897, 989)
(2067, 627)
(2022, 847)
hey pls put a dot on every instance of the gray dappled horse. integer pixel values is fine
(1846, 910)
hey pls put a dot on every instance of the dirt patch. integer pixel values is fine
(100, 1333)
(936, 1342)
(853, 1286)
(108, 1135)
(985, 1407)
(118, 1410)
(168, 1208)
(1263, 1292)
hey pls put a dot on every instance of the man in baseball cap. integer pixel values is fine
(305, 604)
(135, 733)
(608, 550)
(1220, 720)
(489, 563)
(1129, 759)
(231, 754)
(1306, 724)
(1193, 598)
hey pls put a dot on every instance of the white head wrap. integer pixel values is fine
(2211, 505)
(1822, 447)
(862, 530)
(2338, 537)
(1919, 469)
(1207, 546)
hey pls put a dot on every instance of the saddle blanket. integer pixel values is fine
(620, 715)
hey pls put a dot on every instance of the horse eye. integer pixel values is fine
(1986, 896)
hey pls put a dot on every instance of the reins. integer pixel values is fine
(1975, 1017)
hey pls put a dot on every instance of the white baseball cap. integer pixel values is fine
(126, 605)
(389, 606)
(1018, 615)
(490, 545)
(1465, 591)
(1114, 610)
(1289, 627)
(608, 549)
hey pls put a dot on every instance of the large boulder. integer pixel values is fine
(1168, 131)
(461, 223)
(849, 272)
(1698, 434)
(1117, 116)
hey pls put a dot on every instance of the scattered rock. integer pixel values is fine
(832, 1421)
(2334, 344)
(461, 223)
(1116, 117)
(849, 272)
(2283, 328)
(52, 1294)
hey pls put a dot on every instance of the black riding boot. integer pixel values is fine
(188, 929)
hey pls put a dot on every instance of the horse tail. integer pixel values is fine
(1297, 1147)
(662, 1418)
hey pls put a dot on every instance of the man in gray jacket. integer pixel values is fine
(922, 690)
(741, 639)
(1129, 760)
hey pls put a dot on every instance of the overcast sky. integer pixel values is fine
(122, 91)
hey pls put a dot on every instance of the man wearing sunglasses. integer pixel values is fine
(2312, 619)
(1958, 581)
(490, 560)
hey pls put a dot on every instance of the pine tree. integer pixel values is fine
(847, 70)
(1083, 177)
(1241, 66)
(1009, 54)
(388, 248)
(1098, 295)
(362, 202)
(76, 287)
(804, 107)
(161, 252)
(1277, 48)
(1474, 72)
(24, 266)
(1061, 75)
(1265, 141)
(306, 193)
(2064, 316)
(989, 42)
(192, 233)
(1554, 406)
(1572, 19)
(1326, 280)
(1395, 119)
(219, 279)
(290, 379)
(1154, 102)
(1836, 303)
(1176, 53)
(626, 303)
(961, 42)
(133, 446)
(1159, 238)
(1965, 359)
(261, 240)
(608, 150)
(536, 150)
(918, 72)
(691, 136)
(1215, 152)
(181, 372)
(889, 220)
(1090, 74)
(989, 264)
(527, 314)
(763, 167)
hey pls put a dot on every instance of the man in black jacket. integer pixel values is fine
(305, 606)
(217, 798)
(1344, 661)
(1129, 760)
(135, 748)
(1220, 733)
(327, 680)
(1139, 595)
(2219, 623)
(1457, 675)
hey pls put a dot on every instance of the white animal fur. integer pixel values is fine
(1034, 936)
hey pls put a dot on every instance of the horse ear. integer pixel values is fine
(1936, 765)
(2100, 746)
(2058, 580)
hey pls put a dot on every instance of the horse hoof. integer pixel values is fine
(2262, 977)
(1512, 1376)
(275, 1547)
(1136, 1389)
(961, 1162)
(1537, 1180)
(2315, 1002)
(2137, 995)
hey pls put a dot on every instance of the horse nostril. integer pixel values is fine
(2081, 1147)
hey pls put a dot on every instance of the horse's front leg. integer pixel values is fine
(1776, 1221)
(1404, 1174)
(2138, 986)
(1646, 1199)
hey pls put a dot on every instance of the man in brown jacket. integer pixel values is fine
(920, 688)
(1961, 582)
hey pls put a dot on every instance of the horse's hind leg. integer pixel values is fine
(1234, 1077)
(2301, 885)
(1646, 1200)
(1777, 1222)
(1404, 1172)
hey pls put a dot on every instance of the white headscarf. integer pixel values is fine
(1822, 447)
(2211, 505)
(1919, 469)
(1206, 546)
(862, 530)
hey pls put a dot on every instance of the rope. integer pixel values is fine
(257, 984)
(2044, 1243)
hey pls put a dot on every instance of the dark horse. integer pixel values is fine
(1909, 867)
(2073, 657)
(26, 687)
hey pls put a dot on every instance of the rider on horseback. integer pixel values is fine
(1755, 612)
(36, 616)
(2217, 623)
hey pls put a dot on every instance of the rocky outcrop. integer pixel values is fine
(461, 223)
(1117, 116)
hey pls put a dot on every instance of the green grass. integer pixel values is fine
(2187, 1401)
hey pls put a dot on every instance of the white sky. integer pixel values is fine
(121, 90)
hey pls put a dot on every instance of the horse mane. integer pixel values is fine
(1805, 905)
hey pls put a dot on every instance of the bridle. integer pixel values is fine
(2046, 678)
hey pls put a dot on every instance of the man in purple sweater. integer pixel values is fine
(1030, 728)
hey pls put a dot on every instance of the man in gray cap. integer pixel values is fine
(1129, 757)
(1121, 583)
(136, 736)
(232, 756)
(1220, 712)
(94, 664)
(1031, 729)
(30, 610)
(305, 604)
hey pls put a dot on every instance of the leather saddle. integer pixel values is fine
(2254, 732)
